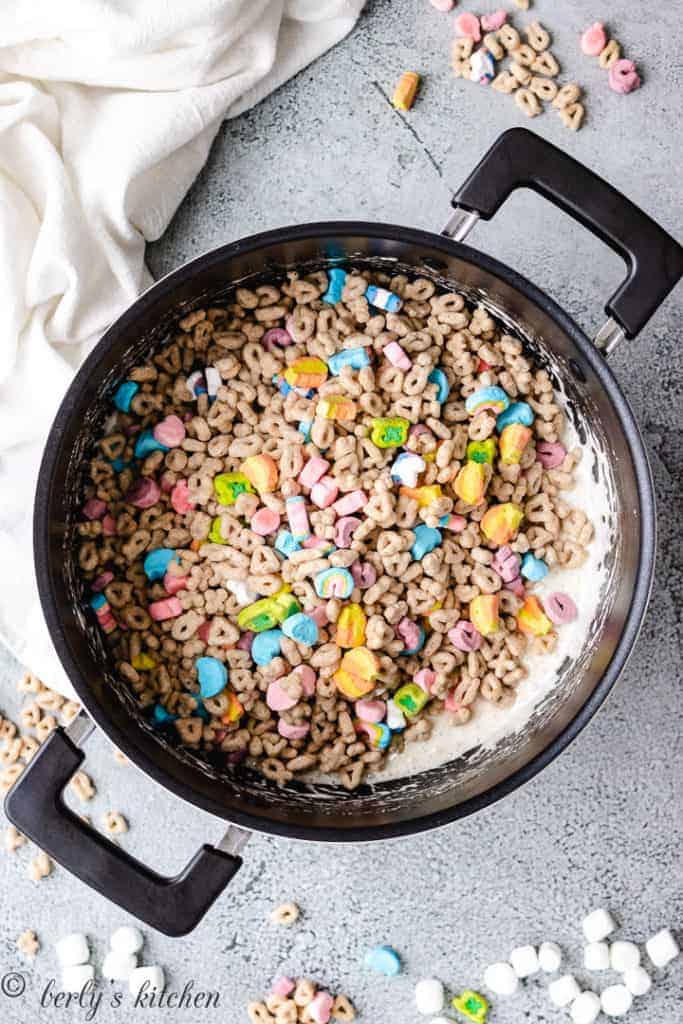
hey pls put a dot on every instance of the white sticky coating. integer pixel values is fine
(585, 1008)
(596, 956)
(524, 960)
(549, 957)
(146, 979)
(564, 990)
(662, 948)
(616, 1001)
(598, 925)
(429, 996)
(501, 979)
(118, 966)
(76, 977)
(637, 981)
(72, 950)
(126, 940)
(623, 956)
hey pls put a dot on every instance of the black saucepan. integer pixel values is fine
(393, 807)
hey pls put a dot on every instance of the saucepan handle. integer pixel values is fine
(174, 906)
(521, 159)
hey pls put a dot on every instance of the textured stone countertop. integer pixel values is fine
(603, 825)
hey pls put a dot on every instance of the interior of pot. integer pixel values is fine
(381, 807)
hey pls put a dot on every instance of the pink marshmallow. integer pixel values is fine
(594, 40)
(144, 493)
(265, 522)
(307, 677)
(623, 77)
(169, 608)
(180, 498)
(170, 432)
(324, 492)
(319, 613)
(172, 584)
(370, 710)
(292, 732)
(297, 516)
(492, 22)
(506, 563)
(314, 542)
(443, 5)
(364, 575)
(320, 1008)
(409, 632)
(467, 24)
(465, 636)
(550, 454)
(203, 632)
(455, 523)
(283, 987)
(314, 469)
(350, 503)
(276, 337)
(109, 526)
(397, 356)
(344, 530)
(560, 608)
(425, 679)
(94, 509)
(103, 580)
(278, 699)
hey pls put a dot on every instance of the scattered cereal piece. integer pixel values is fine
(115, 823)
(406, 91)
(429, 996)
(623, 77)
(662, 948)
(609, 55)
(28, 943)
(537, 36)
(501, 979)
(594, 40)
(285, 914)
(342, 1009)
(467, 24)
(383, 299)
(471, 1005)
(72, 950)
(546, 64)
(482, 68)
(616, 1001)
(383, 960)
(13, 839)
(492, 22)
(40, 867)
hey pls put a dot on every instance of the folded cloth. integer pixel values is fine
(108, 109)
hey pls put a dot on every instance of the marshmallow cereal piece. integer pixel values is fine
(524, 960)
(662, 948)
(549, 957)
(126, 940)
(467, 24)
(594, 40)
(118, 966)
(598, 925)
(596, 956)
(72, 950)
(76, 977)
(637, 981)
(616, 1001)
(623, 77)
(146, 980)
(501, 979)
(429, 996)
(624, 956)
(585, 1008)
(564, 990)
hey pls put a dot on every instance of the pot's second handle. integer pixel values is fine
(519, 158)
(36, 807)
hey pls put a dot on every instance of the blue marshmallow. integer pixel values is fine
(156, 563)
(383, 299)
(427, 538)
(124, 395)
(438, 377)
(518, 412)
(356, 358)
(266, 645)
(383, 960)
(285, 543)
(146, 444)
(533, 568)
(160, 716)
(302, 628)
(336, 281)
(212, 675)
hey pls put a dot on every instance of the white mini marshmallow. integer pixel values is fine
(146, 980)
(126, 940)
(118, 966)
(213, 380)
(524, 960)
(76, 977)
(616, 1001)
(564, 990)
(501, 979)
(598, 925)
(395, 718)
(596, 956)
(662, 948)
(585, 1008)
(637, 981)
(549, 957)
(429, 996)
(72, 950)
(623, 956)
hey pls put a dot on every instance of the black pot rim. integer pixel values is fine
(633, 619)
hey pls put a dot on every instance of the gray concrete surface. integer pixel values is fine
(603, 825)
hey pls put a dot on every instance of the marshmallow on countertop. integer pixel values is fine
(72, 950)
(429, 996)
(118, 966)
(598, 925)
(564, 990)
(126, 940)
(147, 979)
(585, 1008)
(637, 981)
(524, 960)
(616, 1001)
(596, 956)
(76, 977)
(501, 979)
(662, 948)
(624, 956)
(549, 957)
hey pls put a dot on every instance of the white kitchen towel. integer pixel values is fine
(107, 112)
